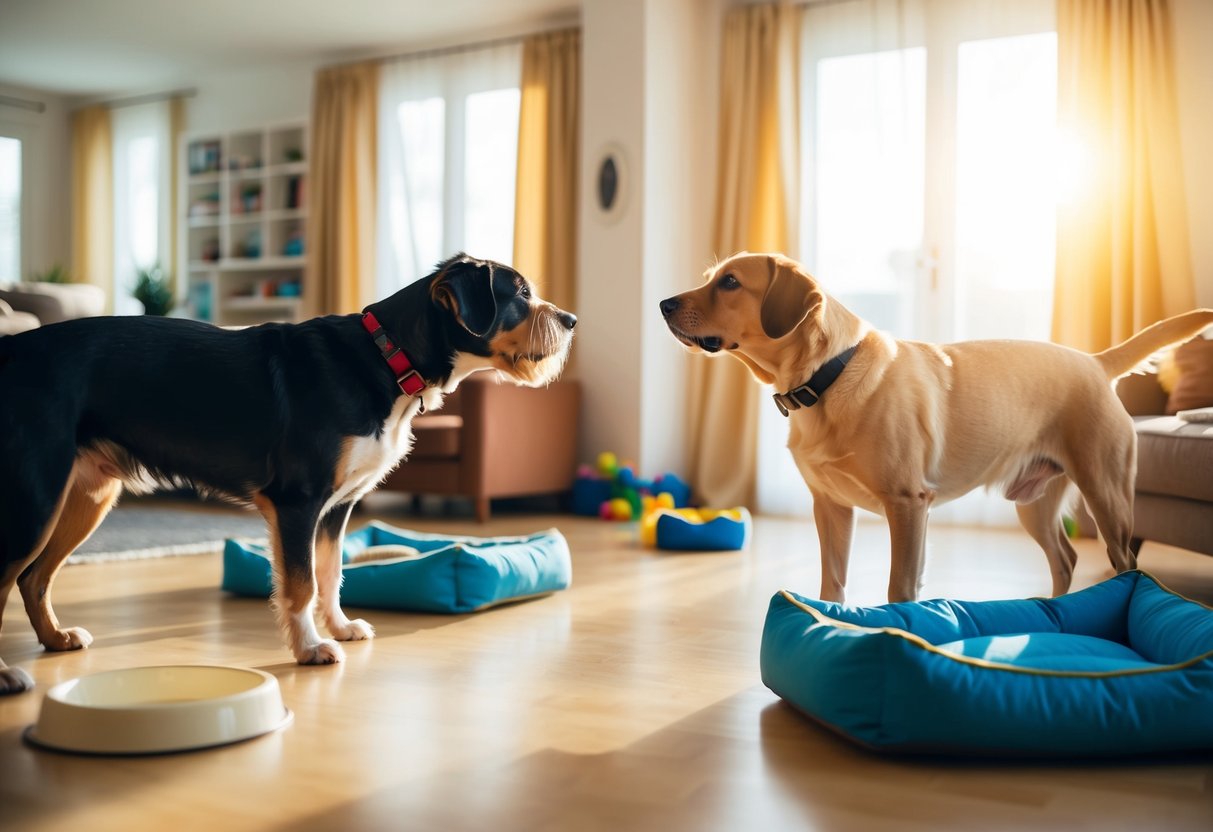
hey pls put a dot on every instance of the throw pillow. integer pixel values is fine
(1194, 387)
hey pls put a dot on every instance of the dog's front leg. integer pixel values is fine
(292, 527)
(906, 511)
(329, 535)
(835, 525)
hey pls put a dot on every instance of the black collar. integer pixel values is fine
(807, 394)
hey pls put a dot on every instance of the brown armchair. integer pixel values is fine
(494, 440)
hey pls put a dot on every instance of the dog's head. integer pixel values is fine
(482, 311)
(748, 304)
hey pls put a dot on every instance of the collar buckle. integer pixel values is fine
(809, 393)
(408, 379)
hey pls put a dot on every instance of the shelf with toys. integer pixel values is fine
(244, 210)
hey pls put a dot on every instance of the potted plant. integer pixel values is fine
(55, 274)
(154, 290)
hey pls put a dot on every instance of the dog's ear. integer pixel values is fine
(790, 297)
(466, 290)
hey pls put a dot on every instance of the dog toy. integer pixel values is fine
(612, 490)
(695, 529)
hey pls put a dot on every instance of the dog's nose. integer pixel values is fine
(668, 306)
(568, 319)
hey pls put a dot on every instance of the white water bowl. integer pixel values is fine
(151, 710)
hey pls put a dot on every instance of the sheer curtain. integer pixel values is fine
(93, 199)
(756, 200)
(142, 194)
(549, 147)
(448, 154)
(1123, 262)
(342, 180)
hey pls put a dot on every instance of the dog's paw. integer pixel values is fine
(322, 652)
(356, 630)
(73, 638)
(14, 680)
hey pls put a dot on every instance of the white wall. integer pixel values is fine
(610, 262)
(682, 42)
(46, 155)
(1193, 40)
(649, 88)
(251, 98)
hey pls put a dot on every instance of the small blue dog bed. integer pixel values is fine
(1124, 667)
(451, 575)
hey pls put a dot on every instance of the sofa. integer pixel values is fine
(493, 440)
(26, 305)
(1174, 496)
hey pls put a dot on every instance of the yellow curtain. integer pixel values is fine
(1123, 260)
(755, 208)
(176, 129)
(545, 205)
(341, 199)
(93, 200)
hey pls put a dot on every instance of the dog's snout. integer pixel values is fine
(567, 319)
(668, 307)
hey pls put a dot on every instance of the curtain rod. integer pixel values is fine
(134, 100)
(458, 48)
(23, 103)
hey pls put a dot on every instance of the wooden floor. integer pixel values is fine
(630, 701)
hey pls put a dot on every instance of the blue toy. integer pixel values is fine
(449, 574)
(1124, 667)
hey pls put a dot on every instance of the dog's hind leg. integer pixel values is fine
(89, 498)
(28, 514)
(1106, 478)
(293, 530)
(329, 535)
(1042, 520)
(835, 526)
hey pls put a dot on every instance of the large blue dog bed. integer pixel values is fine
(451, 574)
(1123, 667)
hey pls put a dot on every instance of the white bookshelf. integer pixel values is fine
(242, 208)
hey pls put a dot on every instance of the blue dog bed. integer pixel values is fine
(451, 575)
(1124, 667)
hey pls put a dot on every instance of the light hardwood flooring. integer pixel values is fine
(630, 701)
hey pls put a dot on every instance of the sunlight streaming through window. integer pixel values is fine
(1006, 186)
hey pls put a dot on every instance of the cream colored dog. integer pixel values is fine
(906, 425)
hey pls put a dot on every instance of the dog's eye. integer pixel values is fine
(729, 282)
(525, 291)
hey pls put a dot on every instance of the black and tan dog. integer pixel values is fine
(895, 427)
(299, 420)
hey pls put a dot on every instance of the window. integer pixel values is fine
(141, 197)
(10, 209)
(448, 149)
(929, 163)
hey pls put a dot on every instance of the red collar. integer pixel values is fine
(409, 380)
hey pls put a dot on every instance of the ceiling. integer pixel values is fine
(111, 47)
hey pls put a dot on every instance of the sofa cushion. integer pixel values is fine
(437, 437)
(55, 302)
(1174, 457)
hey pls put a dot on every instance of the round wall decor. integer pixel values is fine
(610, 182)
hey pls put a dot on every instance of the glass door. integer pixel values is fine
(928, 182)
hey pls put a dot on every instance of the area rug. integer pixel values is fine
(148, 529)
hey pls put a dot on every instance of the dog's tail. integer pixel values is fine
(1125, 358)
